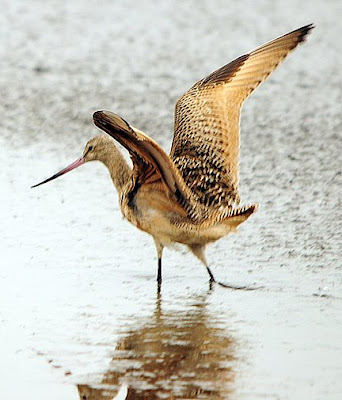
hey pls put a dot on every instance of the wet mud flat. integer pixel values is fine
(80, 316)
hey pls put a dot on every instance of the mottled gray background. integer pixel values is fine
(64, 246)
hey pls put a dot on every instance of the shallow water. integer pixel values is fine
(80, 314)
(181, 352)
(80, 304)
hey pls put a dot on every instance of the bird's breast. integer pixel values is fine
(150, 209)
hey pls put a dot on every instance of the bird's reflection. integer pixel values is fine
(175, 354)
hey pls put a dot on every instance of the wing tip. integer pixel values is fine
(230, 70)
(304, 31)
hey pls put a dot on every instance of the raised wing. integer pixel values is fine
(205, 146)
(150, 162)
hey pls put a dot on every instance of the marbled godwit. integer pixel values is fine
(191, 196)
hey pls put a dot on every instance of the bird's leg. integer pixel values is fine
(199, 252)
(212, 279)
(159, 275)
(159, 248)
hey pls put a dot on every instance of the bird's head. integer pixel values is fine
(95, 149)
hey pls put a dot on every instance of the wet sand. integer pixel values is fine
(80, 316)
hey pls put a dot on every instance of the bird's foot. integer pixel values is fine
(237, 287)
(212, 281)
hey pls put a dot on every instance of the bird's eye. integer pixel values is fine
(90, 148)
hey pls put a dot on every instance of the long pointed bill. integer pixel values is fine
(72, 166)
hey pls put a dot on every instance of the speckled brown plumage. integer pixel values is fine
(190, 197)
(206, 142)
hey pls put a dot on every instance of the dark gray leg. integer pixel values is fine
(159, 275)
(212, 279)
(159, 248)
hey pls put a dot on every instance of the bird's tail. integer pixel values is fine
(239, 215)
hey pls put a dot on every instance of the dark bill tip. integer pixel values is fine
(72, 166)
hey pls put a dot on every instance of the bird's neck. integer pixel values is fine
(118, 168)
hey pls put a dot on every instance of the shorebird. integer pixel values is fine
(190, 196)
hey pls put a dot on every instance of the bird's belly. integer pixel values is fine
(153, 212)
(171, 227)
(169, 231)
